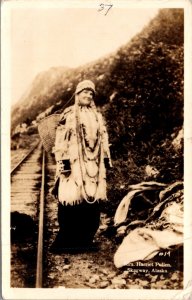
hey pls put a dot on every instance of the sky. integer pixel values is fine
(41, 38)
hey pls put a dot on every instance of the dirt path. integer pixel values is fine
(96, 270)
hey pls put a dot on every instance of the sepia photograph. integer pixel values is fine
(95, 144)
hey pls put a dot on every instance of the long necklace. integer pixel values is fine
(82, 149)
(90, 154)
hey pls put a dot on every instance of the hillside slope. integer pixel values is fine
(123, 71)
(140, 92)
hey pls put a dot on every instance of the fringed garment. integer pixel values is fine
(81, 139)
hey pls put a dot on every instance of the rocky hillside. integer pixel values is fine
(145, 112)
(140, 92)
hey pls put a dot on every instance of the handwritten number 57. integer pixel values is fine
(107, 7)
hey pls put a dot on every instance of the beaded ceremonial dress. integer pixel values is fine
(82, 139)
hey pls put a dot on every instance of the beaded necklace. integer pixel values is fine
(87, 153)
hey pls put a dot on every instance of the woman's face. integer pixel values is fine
(85, 97)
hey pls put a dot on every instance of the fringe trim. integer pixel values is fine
(77, 202)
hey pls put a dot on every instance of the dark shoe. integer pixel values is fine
(92, 247)
(56, 249)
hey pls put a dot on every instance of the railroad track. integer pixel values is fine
(25, 178)
(33, 219)
(25, 191)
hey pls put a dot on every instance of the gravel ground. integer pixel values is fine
(96, 270)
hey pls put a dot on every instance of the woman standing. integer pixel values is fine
(82, 155)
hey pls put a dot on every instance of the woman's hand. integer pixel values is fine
(64, 167)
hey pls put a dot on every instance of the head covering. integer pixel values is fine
(85, 84)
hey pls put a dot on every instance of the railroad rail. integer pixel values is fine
(27, 203)
(15, 168)
(29, 197)
(39, 270)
